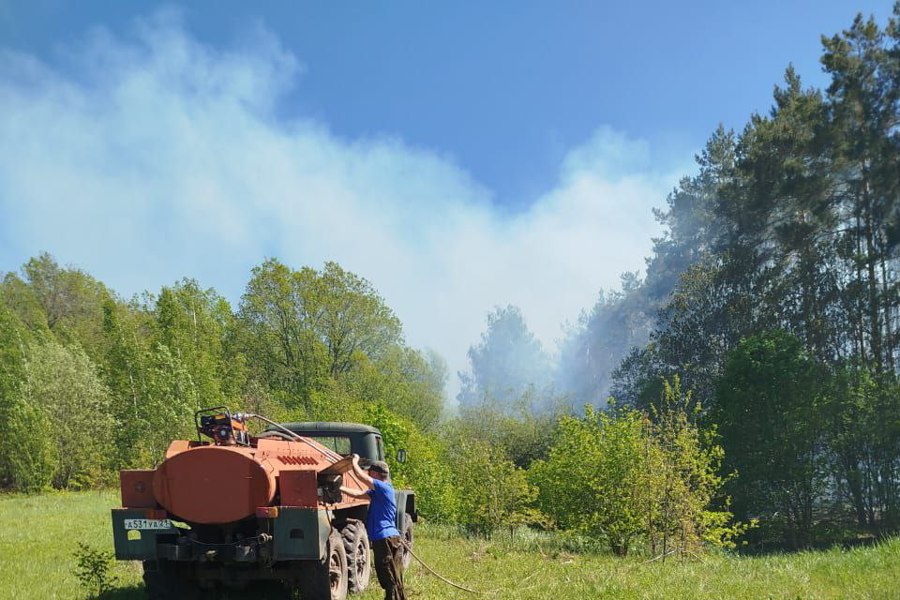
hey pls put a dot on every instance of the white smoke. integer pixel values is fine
(153, 157)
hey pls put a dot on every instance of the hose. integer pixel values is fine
(332, 456)
(436, 574)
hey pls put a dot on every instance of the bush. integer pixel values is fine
(93, 568)
(620, 475)
(685, 480)
(493, 492)
(594, 479)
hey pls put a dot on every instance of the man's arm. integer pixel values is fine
(363, 477)
(355, 493)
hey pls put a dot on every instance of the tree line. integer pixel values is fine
(92, 384)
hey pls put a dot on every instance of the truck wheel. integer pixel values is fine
(356, 546)
(327, 579)
(164, 582)
(407, 534)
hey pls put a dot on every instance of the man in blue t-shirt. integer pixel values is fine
(381, 526)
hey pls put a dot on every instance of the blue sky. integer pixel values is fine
(460, 156)
(503, 88)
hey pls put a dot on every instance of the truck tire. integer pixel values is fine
(164, 582)
(407, 534)
(327, 579)
(359, 564)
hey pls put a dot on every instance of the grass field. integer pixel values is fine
(39, 535)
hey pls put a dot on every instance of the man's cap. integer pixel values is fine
(379, 466)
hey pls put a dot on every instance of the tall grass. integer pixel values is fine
(39, 535)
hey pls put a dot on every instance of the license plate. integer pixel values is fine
(148, 524)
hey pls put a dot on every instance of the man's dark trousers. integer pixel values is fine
(389, 566)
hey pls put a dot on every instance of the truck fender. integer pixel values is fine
(406, 504)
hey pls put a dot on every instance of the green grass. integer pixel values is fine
(40, 534)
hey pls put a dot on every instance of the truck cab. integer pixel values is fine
(343, 438)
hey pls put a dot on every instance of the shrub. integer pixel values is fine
(594, 479)
(92, 568)
(493, 492)
(684, 478)
(620, 475)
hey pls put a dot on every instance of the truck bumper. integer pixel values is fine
(295, 534)
(136, 544)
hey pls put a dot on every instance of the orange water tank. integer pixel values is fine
(214, 484)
